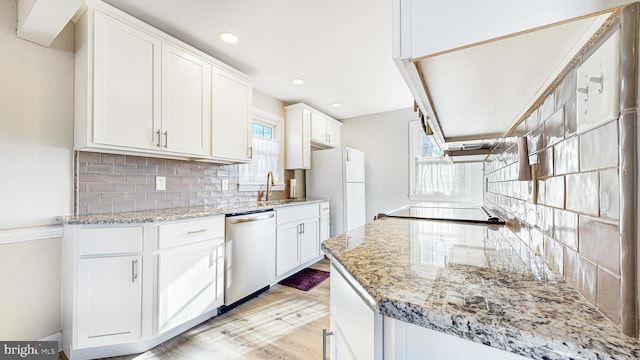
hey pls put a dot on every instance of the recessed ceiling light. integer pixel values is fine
(336, 105)
(228, 38)
(297, 81)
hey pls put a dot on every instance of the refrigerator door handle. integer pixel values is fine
(348, 154)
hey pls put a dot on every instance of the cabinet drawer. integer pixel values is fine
(189, 231)
(296, 213)
(324, 208)
(110, 240)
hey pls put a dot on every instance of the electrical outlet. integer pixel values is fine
(161, 183)
(225, 184)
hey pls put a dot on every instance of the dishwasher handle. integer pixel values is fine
(238, 220)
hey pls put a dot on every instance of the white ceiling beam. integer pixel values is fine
(40, 21)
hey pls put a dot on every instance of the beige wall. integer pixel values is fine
(36, 139)
(267, 103)
(36, 118)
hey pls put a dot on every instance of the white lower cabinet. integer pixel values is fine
(109, 300)
(128, 288)
(357, 329)
(360, 333)
(190, 276)
(297, 238)
(287, 253)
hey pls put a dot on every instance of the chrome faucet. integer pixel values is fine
(270, 184)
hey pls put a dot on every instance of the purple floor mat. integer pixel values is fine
(305, 279)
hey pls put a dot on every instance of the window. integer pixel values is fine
(267, 153)
(433, 177)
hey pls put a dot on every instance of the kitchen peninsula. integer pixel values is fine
(471, 282)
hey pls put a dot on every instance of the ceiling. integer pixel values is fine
(342, 49)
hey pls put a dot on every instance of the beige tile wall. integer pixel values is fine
(574, 226)
(108, 183)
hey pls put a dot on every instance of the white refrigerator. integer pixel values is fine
(338, 174)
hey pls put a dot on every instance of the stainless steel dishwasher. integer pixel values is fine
(250, 262)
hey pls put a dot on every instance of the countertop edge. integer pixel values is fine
(500, 337)
(173, 214)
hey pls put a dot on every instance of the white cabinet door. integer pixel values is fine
(186, 102)
(126, 83)
(109, 300)
(333, 133)
(309, 245)
(358, 327)
(188, 282)
(306, 139)
(318, 128)
(231, 101)
(287, 255)
(298, 137)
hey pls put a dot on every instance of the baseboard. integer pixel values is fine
(54, 337)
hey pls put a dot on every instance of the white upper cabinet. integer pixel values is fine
(307, 127)
(231, 117)
(325, 131)
(298, 136)
(186, 102)
(139, 91)
(126, 83)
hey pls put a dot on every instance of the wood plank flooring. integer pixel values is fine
(281, 323)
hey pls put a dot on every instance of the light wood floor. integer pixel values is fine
(281, 323)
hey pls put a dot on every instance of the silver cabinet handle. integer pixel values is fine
(134, 270)
(348, 155)
(325, 334)
(166, 139)
(159, 139)
(196, 231)
(250, 219)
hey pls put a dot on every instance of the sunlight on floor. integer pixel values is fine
(251, 331)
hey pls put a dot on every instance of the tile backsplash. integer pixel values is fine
(108, 183)
(573, 224)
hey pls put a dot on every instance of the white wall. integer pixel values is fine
(384, 138)
(36, 139)
(36, 122)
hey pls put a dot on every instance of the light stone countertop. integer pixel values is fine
(150, 216)
(476, 282)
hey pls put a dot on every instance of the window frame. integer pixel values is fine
(276, 122)
(415, 131)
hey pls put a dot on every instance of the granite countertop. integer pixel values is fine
(149, 216)
(476, 282)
